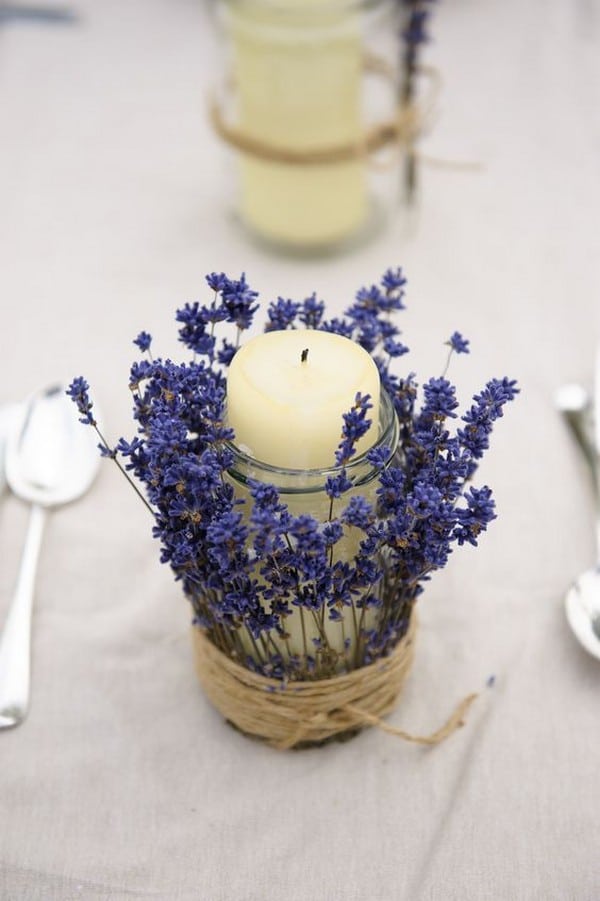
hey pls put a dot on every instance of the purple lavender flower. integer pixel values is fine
(394, 348)
(356, 425)
(440, 399)
(338, 326)
(415, 32)
(311, 311)
(393, 280)
(358, 513)
(217, 281)
(480, 418)
(226, 538)
(423, 500)
(239, 302)
(139, 372)
(282, 314)
(370, 298)
(474, 518)
(143, 341)
(333, 531)
(336, 485)
(226, 353)
(392, 490)
(458, 344)
(193, 332)
(78, 392)
(378, 456)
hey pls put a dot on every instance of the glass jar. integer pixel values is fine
(310, 96)
(303, 492)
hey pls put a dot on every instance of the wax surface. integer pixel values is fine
(288, 413)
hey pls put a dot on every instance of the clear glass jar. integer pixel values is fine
(303, 491)
(311, 90)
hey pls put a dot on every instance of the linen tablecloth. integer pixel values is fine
(123, 782)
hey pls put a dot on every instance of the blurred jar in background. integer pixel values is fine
(306, 81)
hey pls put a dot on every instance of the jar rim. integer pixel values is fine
(388, 437)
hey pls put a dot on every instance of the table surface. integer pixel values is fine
(124, 782)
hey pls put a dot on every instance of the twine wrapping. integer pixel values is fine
(409, 122)
(301, 713)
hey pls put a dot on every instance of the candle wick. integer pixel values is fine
(304, 355)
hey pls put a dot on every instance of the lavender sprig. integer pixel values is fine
(416, 15)
(78, 391)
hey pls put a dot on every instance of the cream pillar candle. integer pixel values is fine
(287, 411)
(287, 392)
(297, 68)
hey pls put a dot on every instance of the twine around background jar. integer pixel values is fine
(408, 123)
(300, 713)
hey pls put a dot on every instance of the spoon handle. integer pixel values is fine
(579, 423)
(596, 447)
(15, 642)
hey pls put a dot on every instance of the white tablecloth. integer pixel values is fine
(123, 782)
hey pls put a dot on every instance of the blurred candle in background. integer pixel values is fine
(297, 67)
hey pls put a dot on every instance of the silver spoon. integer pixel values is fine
(582, 601)
(51, 459)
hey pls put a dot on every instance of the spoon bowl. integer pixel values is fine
(8, 416)
(572, 396)
(582, 608)
(51, 459)
(575, 405)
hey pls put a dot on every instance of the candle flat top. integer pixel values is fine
(272, 366)
(288, 411)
